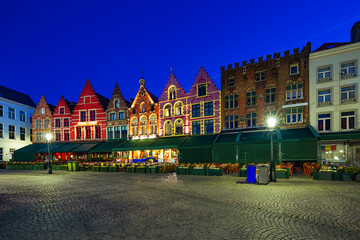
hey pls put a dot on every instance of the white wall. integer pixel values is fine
(334, 57)
(5, 143)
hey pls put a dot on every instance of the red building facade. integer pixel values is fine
(144, 114)
(88, 122)
(61, 120)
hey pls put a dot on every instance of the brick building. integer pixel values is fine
(41, 120)
(88, 120)
(61, 120)
(173, 109)
(276, 86)
(117, 116)
(144, 114)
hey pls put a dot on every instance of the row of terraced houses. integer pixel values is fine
(316, 90)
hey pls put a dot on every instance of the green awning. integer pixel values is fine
(341, 136)
(166, 143)
(106, 146)
(67, 148)
(31, 148)
(226, 138)
(134, 145)
(257, 136)
(202, 141)
(53, 147)
(297, 134)
(84, 147)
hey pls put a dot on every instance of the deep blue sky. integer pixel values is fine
(51, 47)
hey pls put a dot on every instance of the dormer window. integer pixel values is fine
(116, 103)
(201, 90)
(172, 93)
(42, 111)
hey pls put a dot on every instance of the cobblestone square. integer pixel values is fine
(95, 205)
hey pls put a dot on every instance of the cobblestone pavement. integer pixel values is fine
(90, 205)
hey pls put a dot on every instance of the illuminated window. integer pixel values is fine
(134, 126)
(168, 128)
(143, 107)
(167, 110)
(153, 124)
(178, 108)
(42, 111)
(47, 124)
(143, 125)
(172, 93)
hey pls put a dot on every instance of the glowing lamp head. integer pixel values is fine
(48, 136)
(271, 122)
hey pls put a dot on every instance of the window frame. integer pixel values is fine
(324, 119)
(324, 78)
(260, 76)
(12, 132)
(197, 110)
(297, 114)
(251, 98)
(210, 112)
(348, 99)
(348, 75)
(348, 120)
(297, 69)
(196, 125)
(270, 95)
(231, 101)
(12, 113)
(251, 118)
(324, 102)
(292, 90)
(202, 90)
(231, 121)
(209, 125)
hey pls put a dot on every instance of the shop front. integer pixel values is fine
(104, 151)
(165, 150)
(341, 148)
(82, 152)
(132, 149)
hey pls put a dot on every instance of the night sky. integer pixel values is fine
(51, 47)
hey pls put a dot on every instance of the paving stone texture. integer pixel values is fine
(95, 205)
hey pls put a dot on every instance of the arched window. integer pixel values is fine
(42, 111)
(153, 124)
(179, 125)
(172, 93)
(167, 110)
(116, 103)
(134, 126)
(143, 125)
(178, 108)
(168, 128)
(142, 107)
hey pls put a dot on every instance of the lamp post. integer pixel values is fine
(271, 124)
(48, 137)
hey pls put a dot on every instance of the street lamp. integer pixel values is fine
(271, 122)
(48, 137)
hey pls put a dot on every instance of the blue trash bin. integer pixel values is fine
(251, 174)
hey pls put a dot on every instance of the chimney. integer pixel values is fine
(355, 32)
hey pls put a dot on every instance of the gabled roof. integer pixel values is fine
(103, 101)
(326, 46)
(153, 97)
(16, 96)
(71, 105)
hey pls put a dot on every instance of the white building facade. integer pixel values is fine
(334, 101)
(16, 110)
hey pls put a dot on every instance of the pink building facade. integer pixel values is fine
(194, 113)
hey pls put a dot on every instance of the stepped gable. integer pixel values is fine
(172, 82)
(202, 78)
(69, 106)
(16, 96)
(117, 94)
